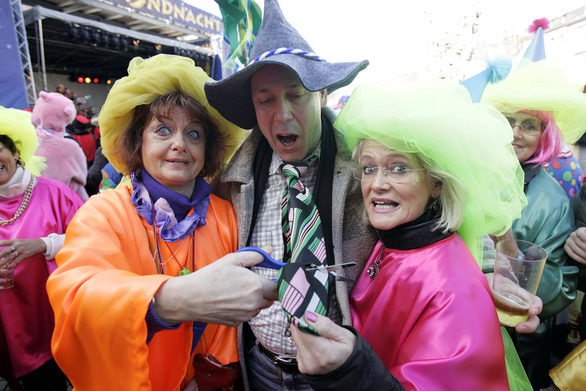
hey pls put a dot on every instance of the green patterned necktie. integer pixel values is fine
(301, 290)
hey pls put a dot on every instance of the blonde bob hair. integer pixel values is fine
(452, 197)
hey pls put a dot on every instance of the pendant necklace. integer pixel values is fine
(184, 270)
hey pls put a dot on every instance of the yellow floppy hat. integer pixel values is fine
(147, 80)
(17, 125)
(542, 86)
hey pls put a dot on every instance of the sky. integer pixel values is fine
(407, 38)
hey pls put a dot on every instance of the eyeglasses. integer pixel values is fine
(527, 125)
(395, 174)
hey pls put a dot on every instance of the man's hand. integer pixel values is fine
(576, 245)
(319, 355)
(511, 248)
(223, 292)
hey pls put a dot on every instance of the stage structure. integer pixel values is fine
(95, 39)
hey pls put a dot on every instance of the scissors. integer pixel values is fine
(328, 268)
(268, 261)
(271, 263)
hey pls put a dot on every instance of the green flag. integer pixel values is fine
(241, 20)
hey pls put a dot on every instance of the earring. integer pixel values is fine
(435, 205)
(19, 162)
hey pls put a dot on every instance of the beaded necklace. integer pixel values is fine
(25, 200)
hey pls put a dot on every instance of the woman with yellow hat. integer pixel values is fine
(139, 301)
(34, 213)
(542, 107)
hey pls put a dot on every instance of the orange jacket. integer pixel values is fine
(102, 289)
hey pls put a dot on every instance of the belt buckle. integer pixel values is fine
(278, 361)
(288, 365)
(285, 364)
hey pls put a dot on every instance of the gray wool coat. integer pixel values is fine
(352, 240)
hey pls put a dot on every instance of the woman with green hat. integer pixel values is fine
(34, 214)
(437, 174)
(542, 107)
(139, 301)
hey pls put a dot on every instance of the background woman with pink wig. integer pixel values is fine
(542, 106)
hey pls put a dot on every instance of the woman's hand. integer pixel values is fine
(223, 292)
(18, 249)
(319, 355)
(530, 325)
(532, 322)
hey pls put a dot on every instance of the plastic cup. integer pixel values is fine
(517, 271)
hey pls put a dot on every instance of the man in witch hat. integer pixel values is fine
(293, 153)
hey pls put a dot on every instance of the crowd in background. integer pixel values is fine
(188, 242)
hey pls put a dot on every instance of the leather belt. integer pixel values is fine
(285, 364)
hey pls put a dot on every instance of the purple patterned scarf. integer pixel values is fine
(170, 210)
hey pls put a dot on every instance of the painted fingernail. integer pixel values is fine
(311, 316)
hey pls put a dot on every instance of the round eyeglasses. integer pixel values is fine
(395, 174)
(527, 125)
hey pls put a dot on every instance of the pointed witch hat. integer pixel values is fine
(277, 42)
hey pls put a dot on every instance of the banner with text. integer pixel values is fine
(174, 11)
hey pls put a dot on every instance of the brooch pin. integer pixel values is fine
(375, 267)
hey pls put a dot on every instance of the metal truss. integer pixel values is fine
(25, 58)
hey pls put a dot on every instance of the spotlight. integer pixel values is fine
(108, 82)
(80, 79)
(136, 42)
(158, 47)
(96, 80)
(88, 80)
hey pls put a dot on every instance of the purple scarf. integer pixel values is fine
(170, 208)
